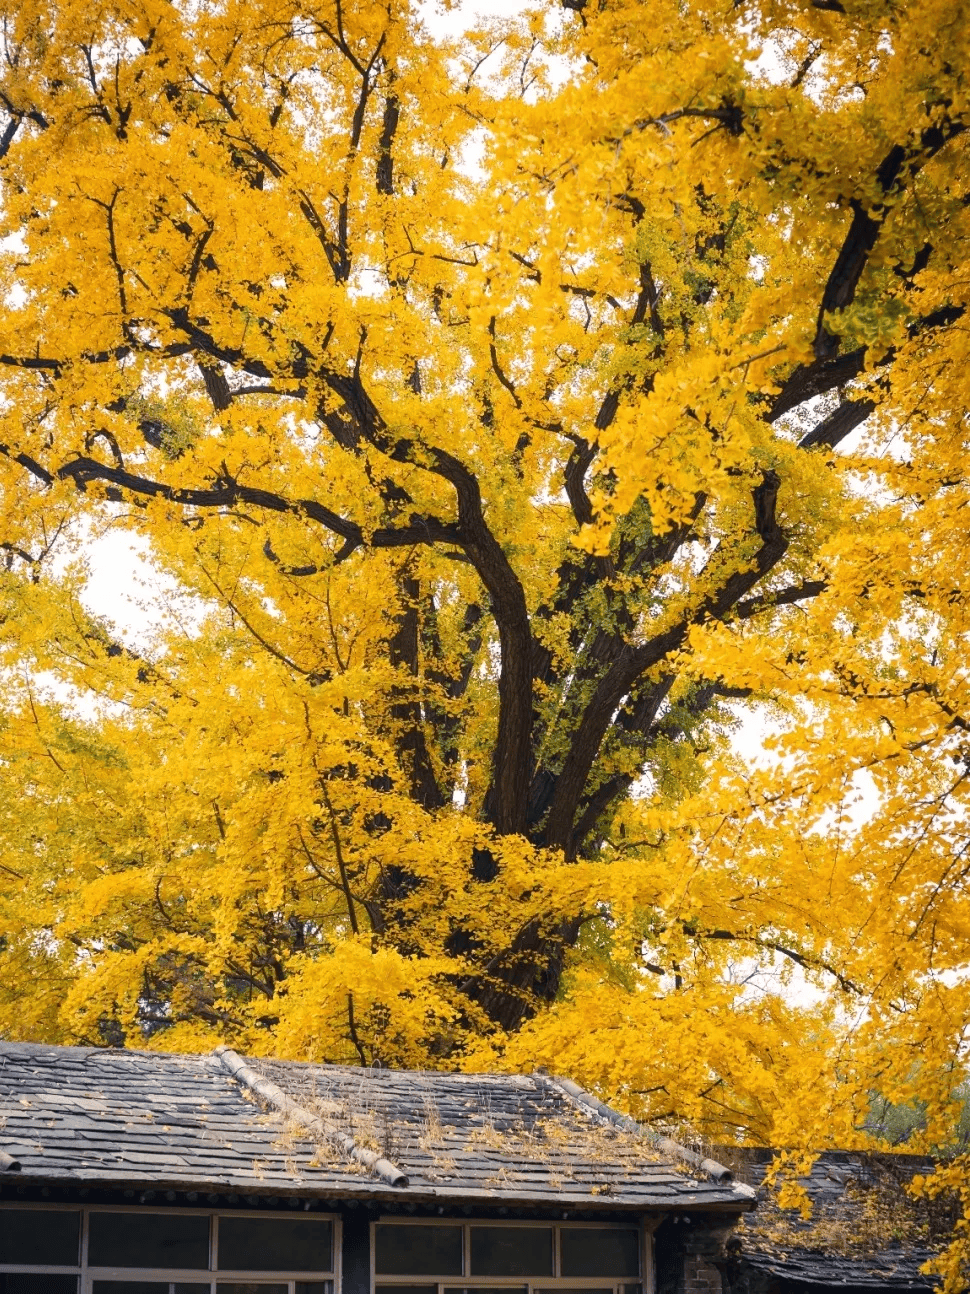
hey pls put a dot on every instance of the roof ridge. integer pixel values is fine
(717, 1172)
(275, 1096)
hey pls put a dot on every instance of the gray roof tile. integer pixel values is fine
(183, 1122)
(858, 1200)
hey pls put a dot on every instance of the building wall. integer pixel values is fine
(693, 1255)
(586, 1267)
(355, 1277)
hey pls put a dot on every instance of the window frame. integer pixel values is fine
(87, 1274)
(530, 1284)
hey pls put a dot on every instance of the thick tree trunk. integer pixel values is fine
(517, 983)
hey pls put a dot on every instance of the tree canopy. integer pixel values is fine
(508, 413)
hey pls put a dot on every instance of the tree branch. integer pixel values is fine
(385, 159)
(839, 424)
(339, 855)
(772, 945)
(352, 1030)
(866, 223)
(228, 493)
(497, 367)
(783, 597)
(822, 375)
(7, 138)
(507, 796)
(31, 464)
(633, 661)
(412, 748)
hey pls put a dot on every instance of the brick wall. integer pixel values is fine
(692, 1256)
(700, 1276)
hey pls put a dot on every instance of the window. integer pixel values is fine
(275, 1244)
(137, 1251)
(42, 1236)
(418, 1251)
(36, 1283)
(511, 1251)
(131, 1287)
(252, 1287)
(599, 1251)
(490, 1289)
(147, 1240)
(505, 1258)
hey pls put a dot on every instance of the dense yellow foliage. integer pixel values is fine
(507, 414)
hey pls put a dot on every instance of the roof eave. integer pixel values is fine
(456, 1197)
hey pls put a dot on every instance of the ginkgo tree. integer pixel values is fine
(508, 411)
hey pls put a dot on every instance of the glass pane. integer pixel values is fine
(630, 1289)
(275, 1244)
(316, 1287)
(130, 1287)
(404, 1289)
(148, 1240)
(36, 1283)
(192, 1287)
(492, 1289)
(599, 1251)
(511, 1251)
(251, 1287)
(579, 1289)
(45, 1236)
(418, 1251)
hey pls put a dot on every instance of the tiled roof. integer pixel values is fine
(149, 1119)
(864, 1230)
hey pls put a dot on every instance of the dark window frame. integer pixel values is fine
(531, 1284)
(212, 1276)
